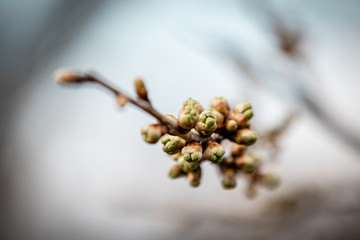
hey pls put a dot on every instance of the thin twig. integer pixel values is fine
(147, 107)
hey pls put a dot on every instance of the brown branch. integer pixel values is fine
(66, 76)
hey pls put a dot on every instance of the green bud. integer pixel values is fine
(193, 103)
(187, 166)
(214, 152)
(206, 123)
(248, 113)
(188, 117)
(172, 144)
(270, 181)
(237, 150)
(247, 163)
(194, 177)
(231, 125)
(192, 152)
(229, 178)
(219, 118)
(151, 133)
(242, 107)
(242, 113)
(221, 105)
(175, 172)
(244, 136)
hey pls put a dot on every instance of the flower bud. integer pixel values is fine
(221, 105)
(193, 103)
(172, 144)
(247, 163)
(192, 152)
(151, 133)
(68, 76)
(231, 125)
(244, 136)
(270, 181)
(229, 178)
(242, 113)
(121, 100)
(188, 117)
(214, 152)
(206, 123)
(219, 118)
(242, 107)
(187, 166)
(140, 88)
(237, 150)
(194, 177)
(175, 172)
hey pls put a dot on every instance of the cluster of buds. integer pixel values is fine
(213, 125)
(196, 135)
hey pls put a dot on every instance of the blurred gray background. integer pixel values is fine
(74, 166)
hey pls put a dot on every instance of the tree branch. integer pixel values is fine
(145, 105)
